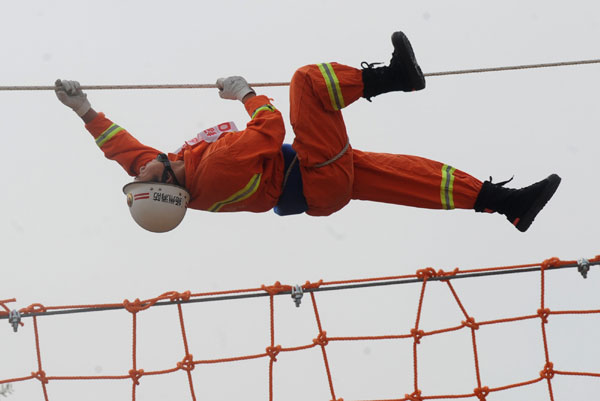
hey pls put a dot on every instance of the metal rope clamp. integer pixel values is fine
(583, 266)
(14, 319)
(6, 389)
(297, 295)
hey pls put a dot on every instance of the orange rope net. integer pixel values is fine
(187, 363)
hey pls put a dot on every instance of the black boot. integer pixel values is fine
(520, 206)
(403, 73)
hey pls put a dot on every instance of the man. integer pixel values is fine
(320, 173)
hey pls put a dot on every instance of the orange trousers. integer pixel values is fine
(333, 173)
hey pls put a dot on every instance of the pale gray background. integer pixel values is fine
(67, 237)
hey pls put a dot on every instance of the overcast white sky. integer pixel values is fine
(67, 236)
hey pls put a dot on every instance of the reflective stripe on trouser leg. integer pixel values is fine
(447, 187)
(321, 134)
(333, 86)
(411, 181)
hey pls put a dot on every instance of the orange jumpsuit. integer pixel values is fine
(243, 171)
(317, 94)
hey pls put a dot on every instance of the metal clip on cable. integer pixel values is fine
(6, 389)
(297, 295)
(14, 318)
(583, 266)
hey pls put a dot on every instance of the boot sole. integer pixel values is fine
(402, 45)
(526, 220)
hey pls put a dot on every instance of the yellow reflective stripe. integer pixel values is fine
(240, 195)
(447, 187)
(113, 130)
(261, 108)
(333, 86)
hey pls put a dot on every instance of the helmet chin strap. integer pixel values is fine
(168, 170)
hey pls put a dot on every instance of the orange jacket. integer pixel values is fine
(241, 171)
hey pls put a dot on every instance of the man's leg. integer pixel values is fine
(402, 74)
(412, 181)
(520, 206)
(317, 94)
(419, 182)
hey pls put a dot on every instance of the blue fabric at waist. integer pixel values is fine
(292, 199)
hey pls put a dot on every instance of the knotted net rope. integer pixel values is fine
(547, 372)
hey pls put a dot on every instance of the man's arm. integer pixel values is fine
(71, 95)
(248, 97)
(235, 88)
(115, 142)
(265, 129)
(89, 116)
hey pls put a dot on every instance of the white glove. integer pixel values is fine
(234, 88)
(70, 94)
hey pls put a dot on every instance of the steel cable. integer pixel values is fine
(263, 84)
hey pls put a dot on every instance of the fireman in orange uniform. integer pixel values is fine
(252, 170)
(241, 171)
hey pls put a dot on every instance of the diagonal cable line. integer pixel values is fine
(263, 84)
(356, 285)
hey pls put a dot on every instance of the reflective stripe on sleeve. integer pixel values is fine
(333, 86)
(240, 195)
(113, 130)
(447, 187)
(261, 108)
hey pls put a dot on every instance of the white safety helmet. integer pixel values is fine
(155, 206)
